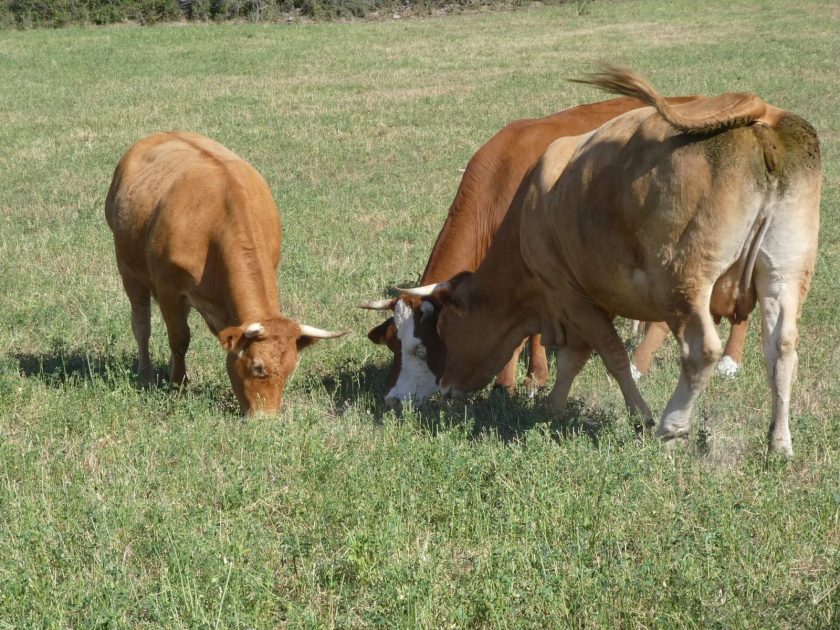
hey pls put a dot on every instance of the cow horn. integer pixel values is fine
(311, 331)
(378, 305)
(424, 290)
(254, 330)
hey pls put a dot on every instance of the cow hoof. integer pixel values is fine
(634, 372)
(727, 367)
(178, 380)
(505, 387)
(671, 431)
(783, 448)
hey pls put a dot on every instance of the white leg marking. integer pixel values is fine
(727, 367)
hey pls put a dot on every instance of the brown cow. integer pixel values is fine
(487, 187)
(675, 213)
(195, 226)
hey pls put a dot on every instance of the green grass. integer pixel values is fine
(127, 508)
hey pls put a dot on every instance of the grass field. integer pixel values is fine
(128, 508)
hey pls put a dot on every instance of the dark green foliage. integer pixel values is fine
(54, 13)
(30, 13)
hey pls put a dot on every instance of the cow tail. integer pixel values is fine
(708, 115)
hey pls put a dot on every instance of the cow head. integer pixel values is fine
(412, 336)
(476, 331)
(261, 357)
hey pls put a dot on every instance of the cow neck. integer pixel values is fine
(456, 249)
(503, 278)
(250, 276)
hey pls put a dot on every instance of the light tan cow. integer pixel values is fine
(490, 181)
(195, 226)
(675, 213)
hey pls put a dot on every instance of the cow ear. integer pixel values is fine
(379, 333)
(427, 309)
(231, 337)
(448, 298)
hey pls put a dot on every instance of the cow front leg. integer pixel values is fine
(571, 358)
(655, 335)
(537, 364)
(700, 349)
(594, 325)
(506, 379)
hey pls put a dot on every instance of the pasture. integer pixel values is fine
(128, 508)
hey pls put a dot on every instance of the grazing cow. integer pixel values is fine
(487, 187)
(675, 213)
(195, 226)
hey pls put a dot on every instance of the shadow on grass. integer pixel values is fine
(58, 367)
(350, 385)
(500, 414)
(509, 417)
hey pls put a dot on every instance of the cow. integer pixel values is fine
(675, 213)
(195, 226)
(487, 187)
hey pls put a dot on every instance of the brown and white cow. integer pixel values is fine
(196, 226)
(675, 213)
(487, 188)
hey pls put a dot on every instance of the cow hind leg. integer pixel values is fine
(175, 311)
(779, 305)
(700, 349)
(141, 325)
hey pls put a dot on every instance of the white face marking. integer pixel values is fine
(254, 330)
(415, 380)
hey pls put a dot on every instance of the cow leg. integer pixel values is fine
(655, 335)
(700, 349)
(733, 355)
(779, 305)
(175, 310)
(537, 364)
(141, 325)
(570, 361)
(595, 326)
(506, 379)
